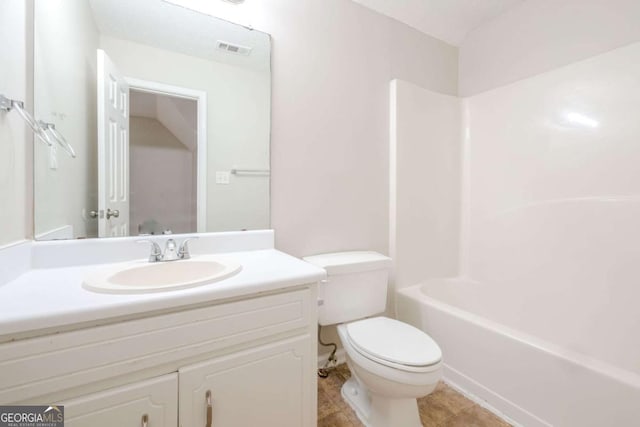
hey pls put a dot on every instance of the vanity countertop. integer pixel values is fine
(53, 299)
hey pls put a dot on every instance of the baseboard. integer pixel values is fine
(340, 355)
(490, 400)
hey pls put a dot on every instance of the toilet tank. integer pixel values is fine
(355, 288)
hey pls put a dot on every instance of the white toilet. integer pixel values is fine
(392, 363)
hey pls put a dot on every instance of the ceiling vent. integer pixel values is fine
(233, 48)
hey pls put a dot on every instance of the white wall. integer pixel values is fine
(541, 35)
(237, 126)
(66, 40)
(163, 174)
(13, 134)
(425, 183)
(333, 61)
(332, 64)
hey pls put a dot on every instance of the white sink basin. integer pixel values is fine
(142, 277)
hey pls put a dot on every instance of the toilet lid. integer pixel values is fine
(394, 341)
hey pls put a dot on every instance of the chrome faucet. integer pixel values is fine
(171, 251)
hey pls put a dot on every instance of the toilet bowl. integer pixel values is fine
(392, 363)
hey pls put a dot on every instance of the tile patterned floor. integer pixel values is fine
(443, 408)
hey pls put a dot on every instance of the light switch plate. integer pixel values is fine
(222, 177)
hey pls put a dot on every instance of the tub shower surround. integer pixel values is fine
(541, 320)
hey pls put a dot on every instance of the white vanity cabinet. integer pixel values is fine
(149, 403)
(247, 361)
(265, 386)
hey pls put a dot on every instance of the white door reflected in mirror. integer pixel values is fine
(113, 149)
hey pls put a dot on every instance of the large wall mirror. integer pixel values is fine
(167, 112)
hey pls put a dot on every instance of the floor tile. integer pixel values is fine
(326, 406)
(445, 407)
(337, 419)
(475, 416)
(442, 404)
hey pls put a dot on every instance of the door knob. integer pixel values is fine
(113, 213)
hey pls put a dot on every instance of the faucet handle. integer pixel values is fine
(183, 252)
(170, 253)
(156, 252)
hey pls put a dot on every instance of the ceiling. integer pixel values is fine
(167, 26)
(448, 20)
(177, 115)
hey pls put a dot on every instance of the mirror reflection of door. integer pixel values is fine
(113, 149)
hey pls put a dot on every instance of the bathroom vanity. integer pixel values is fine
(237, 352)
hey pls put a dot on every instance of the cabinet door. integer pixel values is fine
(125, 406)
(273, 385)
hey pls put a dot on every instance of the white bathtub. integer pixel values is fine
(520, 370)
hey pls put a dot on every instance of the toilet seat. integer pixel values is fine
(394, 344)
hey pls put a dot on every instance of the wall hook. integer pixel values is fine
(51, 128)
(7, 104)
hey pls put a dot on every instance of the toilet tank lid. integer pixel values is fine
(350, 262)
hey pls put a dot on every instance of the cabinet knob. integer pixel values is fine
(145, 420)
(209, 409)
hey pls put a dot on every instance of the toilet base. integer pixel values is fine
(379, 411)
(358, 399)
